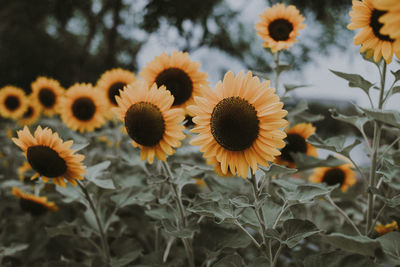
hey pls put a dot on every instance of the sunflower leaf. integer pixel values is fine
(274, 169)
(357, 120)
(355, 244)
(233, 260)
(335, 144)
(354, 80)
(391, 202)
(283, 67)
(291, 87)
(390, 117)
(221, 211)
(94, 172)
(396, 90)
(305, 162)
(296, 230)
(12, 249)
(391, 174)
(308, 192)
(78, 147)
(390, 243)
(338, 259)
(396, 75)
(261, 75)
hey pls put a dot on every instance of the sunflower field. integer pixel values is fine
(159, 166)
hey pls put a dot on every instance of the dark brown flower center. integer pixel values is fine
(46, 161)
(294, 144)
(178, 82)
(114, 91)
(280, 29)
(12, 102)
(83, 108)
(145, 123)
(28, 113)
(234, 123)
(376, 25)
(32, 207)
(47, 97)
(334, 176)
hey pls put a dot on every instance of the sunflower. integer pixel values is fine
(31, 115)
(296, 142)
(114, 80)
(50, 157)
(366, 17)
(387, 228)
(83, 107)
(47, 93)
(390, 18)
(13, 102)
(279, 26)
(35, 205)
(149, 119)
(239, 123)
(342, 175)
(179, 74)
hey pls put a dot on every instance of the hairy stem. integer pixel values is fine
(182, 223)
(344, 215)
(375, 147)
(103, 238)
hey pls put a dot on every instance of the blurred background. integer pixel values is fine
(76, 41)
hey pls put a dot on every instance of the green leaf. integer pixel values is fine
(391, 117)
(161, 212)
(68, 229)
(241, 202)
(355, 80)
(78, 147)
(126, 259)
(271, 211)
(261, 75)
(220, 211)
(355, 244)
(391, 174)
(94, 172)
(297, 230)
(338, 259)
(129, 196)
(390, 243)
(171, 229)
(396, 75)
(396, 90)
(335, 144)
(230, 261)
(356, 120)
(283, 67)
(291, 87)
(305, 162)
(274, 169)
(391, 202)
(12, 249)
(261, 262)
(308, 192)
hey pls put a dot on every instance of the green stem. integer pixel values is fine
(344, 215)
(276, 257)
(260, 216)
(376, 218)
(277, 73)
(182, 223)
(375, 147)
(103, 238)
(248, 234)
(284, 208)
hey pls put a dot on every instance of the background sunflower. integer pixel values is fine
(35, 205)
(366, 17)
(296, 143)
(279, 26)
(83, 107)
(178, 74)
(32, 114)
(50, 157)
(150, 121)
(47, 93)
(343, 175)
(13, 102)
(112, 81)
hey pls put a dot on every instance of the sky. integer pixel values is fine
(324, 85)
